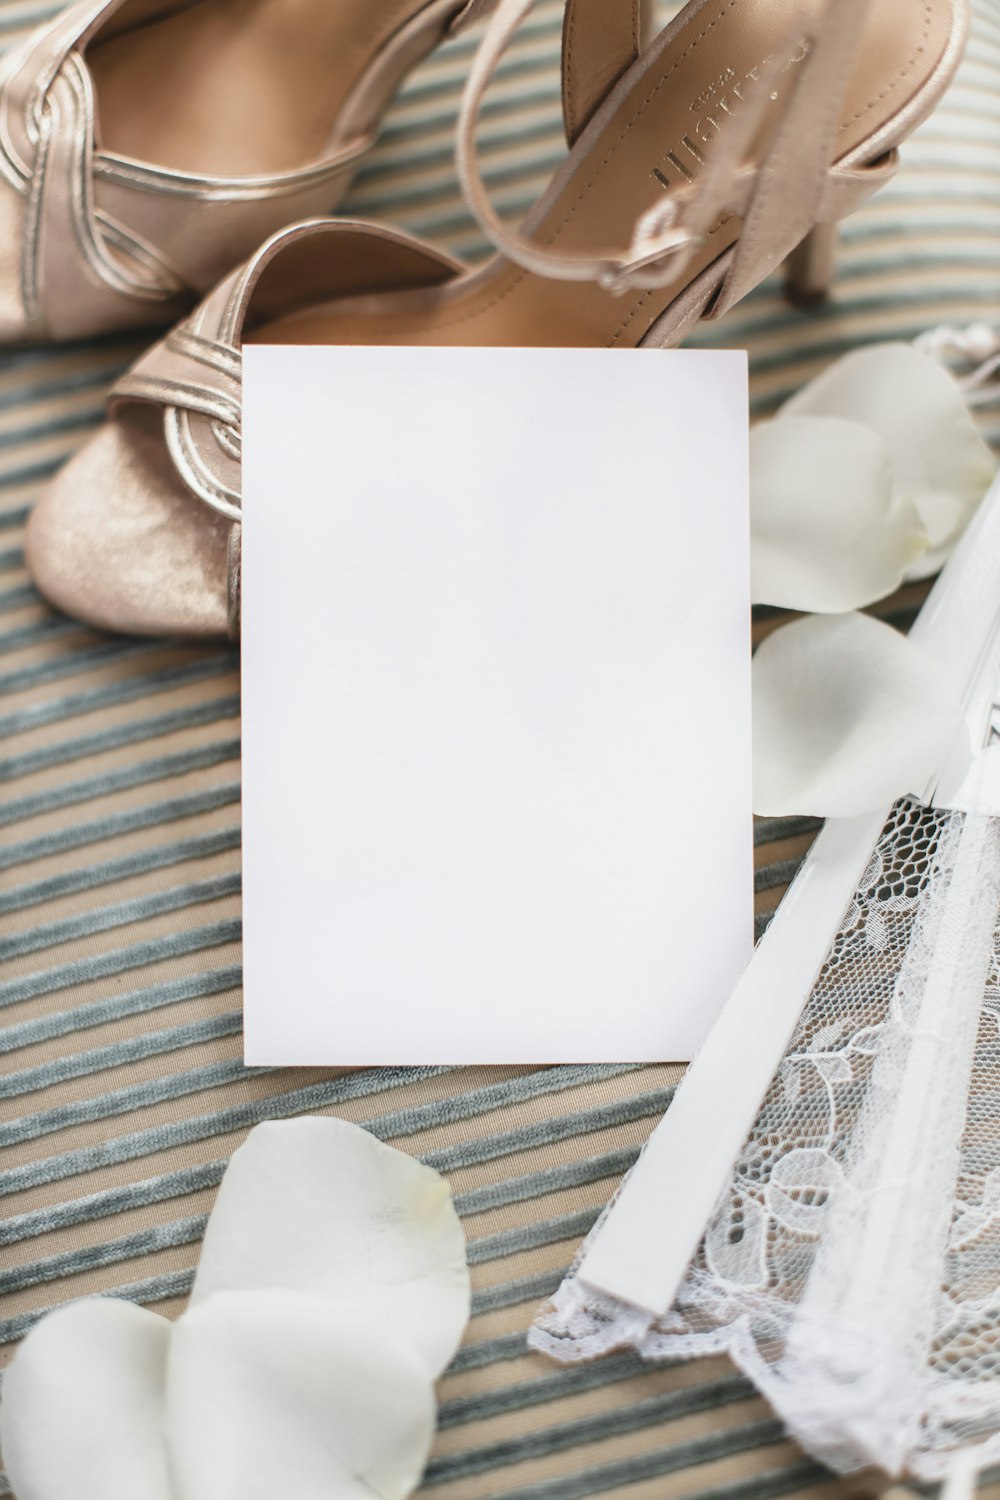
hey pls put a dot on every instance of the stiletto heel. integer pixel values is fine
(811, 267)
(696, 165)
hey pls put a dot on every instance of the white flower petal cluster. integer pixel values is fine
(332, 1291)
(865, 480)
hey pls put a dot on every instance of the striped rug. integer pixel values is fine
(121, 1090)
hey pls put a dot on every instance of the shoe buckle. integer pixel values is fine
(658, 254)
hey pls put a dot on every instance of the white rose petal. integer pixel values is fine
(847, 715)
(313, 1377)
(941, 463)
(272, 1393)
(320, 1205)
(829, 532)
(83, 1402)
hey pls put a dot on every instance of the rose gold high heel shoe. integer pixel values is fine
(147, 146)
(697, 165)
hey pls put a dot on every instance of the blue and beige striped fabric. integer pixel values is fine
(121, 1090)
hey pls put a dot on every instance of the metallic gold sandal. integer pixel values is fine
(697, 165)
(147, 146)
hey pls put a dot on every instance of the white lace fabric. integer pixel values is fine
(852, 1268)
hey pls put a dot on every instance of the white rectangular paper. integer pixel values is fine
(495, 703)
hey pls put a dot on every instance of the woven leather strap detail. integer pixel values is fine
(107, 242)
(194, 374)
(47, 151)
(197, 379)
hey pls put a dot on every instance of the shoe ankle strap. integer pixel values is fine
(780, 198)
(649, 245)
(601, 41)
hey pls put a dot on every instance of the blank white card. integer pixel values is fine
(496, 703)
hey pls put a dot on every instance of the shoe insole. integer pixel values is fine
(651, 144)
(237, 88)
